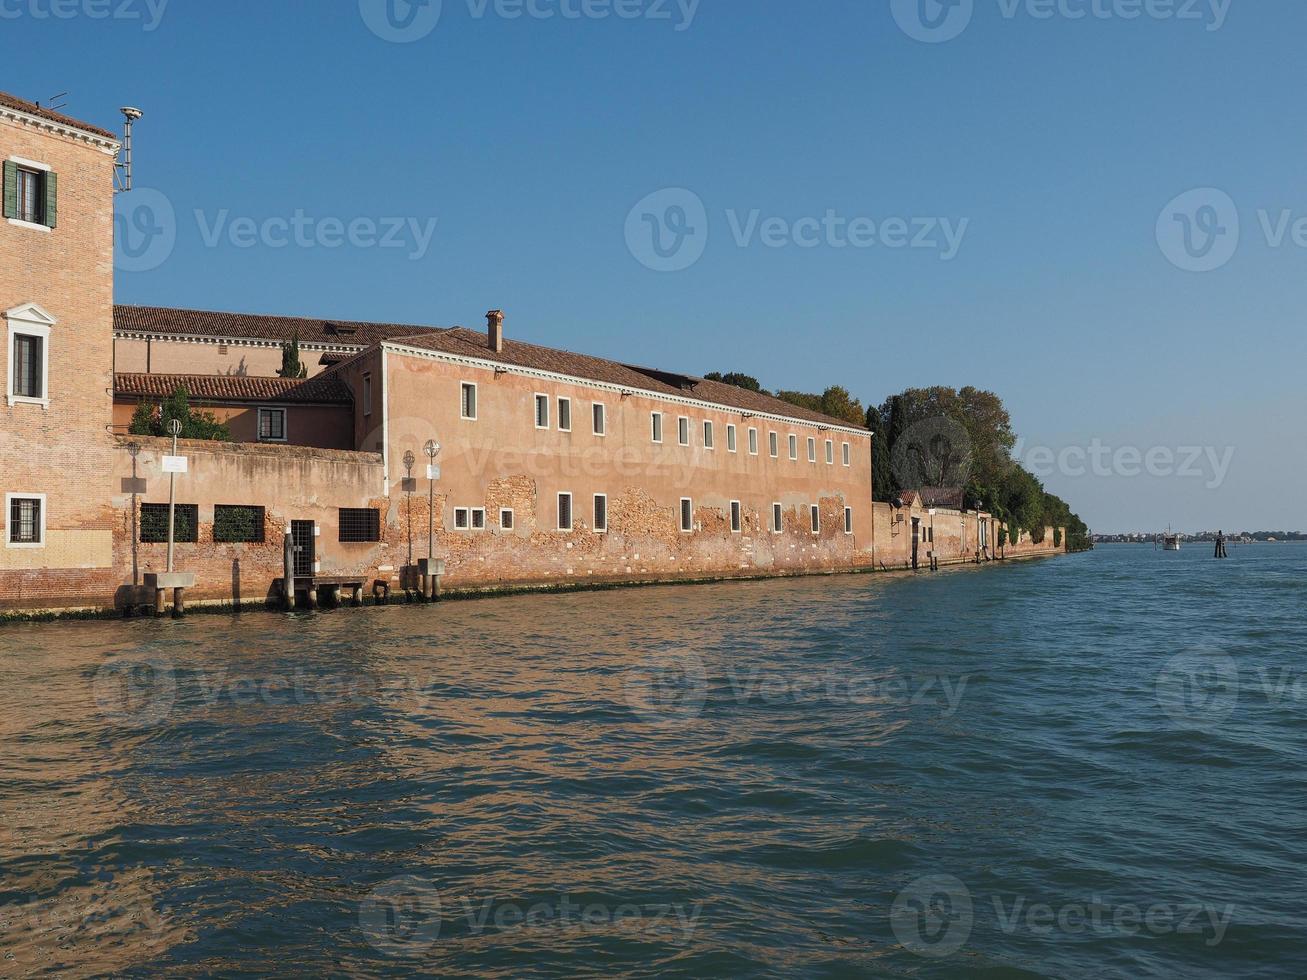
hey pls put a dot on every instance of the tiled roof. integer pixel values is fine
(949, 498)
(472, 343)
(326, 389)
(251, 326)
(32, 109)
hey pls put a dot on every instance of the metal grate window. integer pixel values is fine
(601, 512)
(462, 518)
(564, 512)
(478, 518)
(25, 520)
(154, 523)
(272, 425)
(506, 519)
(237, 524)
(360, 524)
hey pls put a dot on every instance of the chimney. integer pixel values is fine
(495, 331)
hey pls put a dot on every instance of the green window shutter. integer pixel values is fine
(11, 189)
(51, 198)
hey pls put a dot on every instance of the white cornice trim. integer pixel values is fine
(237, 341)
(102, 143)
(499, 367)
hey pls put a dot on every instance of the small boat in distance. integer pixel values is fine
(1170, 540)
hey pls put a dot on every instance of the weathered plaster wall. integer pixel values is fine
(320, 426)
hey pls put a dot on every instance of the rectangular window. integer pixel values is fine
(730, 439)
(794, 446)
(773, 444)
(656, 426)
(154, 523)
(478, 518)
(468, 401)
(29, 366)
(564, 512)
(237, 524)
(753, 442)
(367, 394)
(359, 524)
(812, 450)
(707, 435)
(506, 519)
(31, 196)
(601, 512)
(848, 520)
(564, 415)
(600, 419)
(683, 431)
(272, 425)
(830, 453)
(815, 511)
(26, 521)
(776, 519)
(462, 518)
(735, 517)
(542, 411)
(847, 458)
(687, 515)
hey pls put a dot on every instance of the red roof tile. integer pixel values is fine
(324, 389)
(32, 109)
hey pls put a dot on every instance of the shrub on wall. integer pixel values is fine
(1037, 534)
(1057, 537)
(152, 419)
(1014, 535)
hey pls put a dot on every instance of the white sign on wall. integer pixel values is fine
(174, 464)
(433, 472)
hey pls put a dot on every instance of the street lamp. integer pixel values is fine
(409, 483)
(432, 449)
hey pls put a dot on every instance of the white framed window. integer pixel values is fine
(30, 192)
(815, 512)
(848, 520)
(367, 394)
(773, 444)
(656, 426)
(462, 518)
(506, 518)
(272, 425)
(736, 517)
(683, 430)
(467, 401)
(564, 511)
(24, 520)
(687, 515)
(730, 439)
(600, 415)
(542, 411)
(601, 513)
(29, 355)
(794, 446)
(564, 415)
(478, 518)
(707, 435)
(830, 453)
(753, 441)
(777, 519)
(812, 450)
(848, 459)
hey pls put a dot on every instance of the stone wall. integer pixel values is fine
(951, 536)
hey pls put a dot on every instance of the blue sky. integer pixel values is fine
(1051, 146)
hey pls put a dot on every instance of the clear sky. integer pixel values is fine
(1032, 154)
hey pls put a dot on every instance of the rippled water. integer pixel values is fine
(1092, 766)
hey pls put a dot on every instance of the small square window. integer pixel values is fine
(735, 517)
(730, 439)
(272, 425)
(564, 512)
(777, 523)
(564, 415)
(600, 419)
(468, 400)
(707, 435)
(601, 513)
(687, 515)
(753, 442)
(773, 444)
(683, 431)
(542, 411)
(478, 518)
(506, 519)
(26, 521)
(462, 518)
(656, 426)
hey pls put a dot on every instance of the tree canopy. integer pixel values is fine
(152, 418)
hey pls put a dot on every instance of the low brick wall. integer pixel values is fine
(951, 536)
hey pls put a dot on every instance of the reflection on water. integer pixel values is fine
(857, 774)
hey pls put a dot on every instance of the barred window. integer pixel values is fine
(462, 518)
(816, 519)
(564, 512)
(237, 524)
(25, 520)
(601, 512)
(506, 519)
(478, 518)
(154, 523)
(360, 524)
(687, 514)
(777, 524)
(735, 516)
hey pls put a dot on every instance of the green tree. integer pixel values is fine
(882, 480)
(152, 419)
(736, 379)
(290, 360)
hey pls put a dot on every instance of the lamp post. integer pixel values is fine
(431, 576)
(934, 561)
(175, 427)
(409, 460)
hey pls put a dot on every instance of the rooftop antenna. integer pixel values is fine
(124, 167)
(53, 100)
